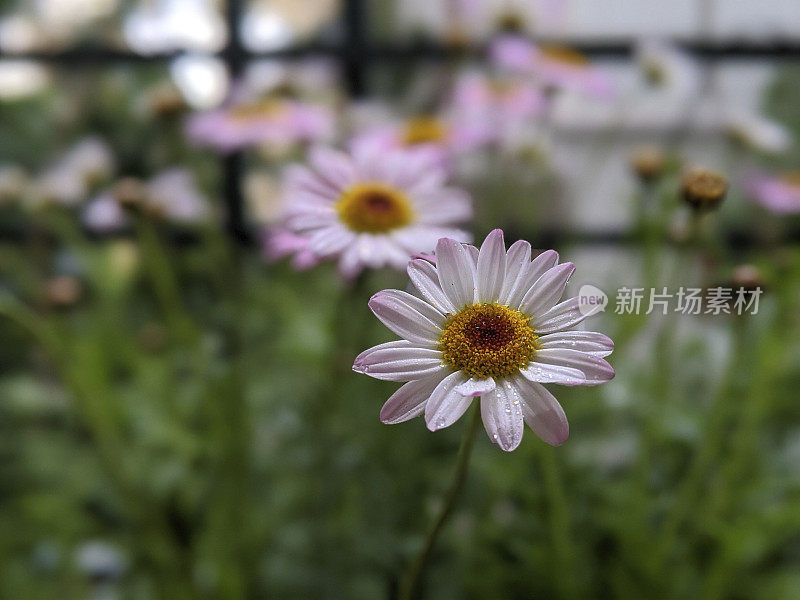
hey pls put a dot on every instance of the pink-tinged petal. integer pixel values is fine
(399, 361)
(408, 316)
(444, 206)
(476, 387)
(446, 405)
(501, 411)
(333, 166)
(528, 276)
(547, 290)
(301, 178)
(491, 271)
(456, 272)
(349, 263)
(547, 373)
(424, 277)
(590, 342)
(562, 316)
(409, 401)
(517, 260)
(595, 369)
(329, 241)
(543, 413)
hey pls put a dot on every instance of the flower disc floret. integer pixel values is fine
(488, 340)
(374, 208)
(424, 130)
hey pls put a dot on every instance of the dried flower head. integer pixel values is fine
(704, 189)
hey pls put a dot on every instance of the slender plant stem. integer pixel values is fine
(411, 579)
(564, 552)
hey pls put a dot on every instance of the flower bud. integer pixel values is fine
(703, 189)
(648, 162)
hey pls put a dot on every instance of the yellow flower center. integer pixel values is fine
(374, 208)
(563, 55)
(791, 178)
(264, 109)
(424, 130)
(487, 340)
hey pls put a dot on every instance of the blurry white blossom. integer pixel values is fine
(21, 78)
(166, 25)
(202, 80)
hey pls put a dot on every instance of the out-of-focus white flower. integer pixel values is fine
(465, 20)
(487, 323)
(271, 121)
(203, 80)
(100, 560)
(667, 68)
(507, 104)
(69, 180)
(22, 78)
(174, 193)
(552, 66)
(104, 214)
(71, 14)
(171, 194)
(272, 24)
(436, 139)
(166, 25)
(777, 193)
(91, 158)
(307, 79)
(20, 33)
(371, 209)
(756, 132)
(263, 28)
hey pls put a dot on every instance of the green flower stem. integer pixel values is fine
(563, 548)
(162, 278)
(712, 441)
(411, 580)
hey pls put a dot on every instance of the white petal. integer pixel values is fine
(446, 405)
(408, 316)
(409, 401)
(501, 411)
(543, 413)
(423, 276)
(562, 316)
(529, 275)
(476, 387)
(517, 261)
(546, 373)
(491, 271)
(595, 369)
(333, 166)
(547, 290)
(456, 272)
(584, 341)
(399, 361)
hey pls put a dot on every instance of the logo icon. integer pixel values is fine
(591, 300)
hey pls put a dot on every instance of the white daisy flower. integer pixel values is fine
(488, 324)
(372, 209)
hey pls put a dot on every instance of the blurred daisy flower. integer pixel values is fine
(551, 66)
(487, 323)
(69, 180)
(171, 194)
(367, 209)
(776, 193)
(667, 68)
(756, 132)
(272, 120)
(435, 138)
(506, 103)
